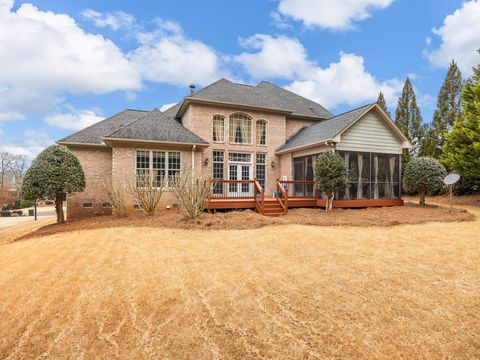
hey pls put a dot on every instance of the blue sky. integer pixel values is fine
(65, 65)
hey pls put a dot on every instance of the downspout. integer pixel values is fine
(193, 161)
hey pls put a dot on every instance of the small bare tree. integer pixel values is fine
(6, 161)
(116, 193)
(18, 168)
(147, 188)
(192, 193)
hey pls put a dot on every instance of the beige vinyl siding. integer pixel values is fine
(370, 134)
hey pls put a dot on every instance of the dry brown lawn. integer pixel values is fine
(411, 213)
(279, 292)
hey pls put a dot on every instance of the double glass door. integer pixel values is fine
(240, 172)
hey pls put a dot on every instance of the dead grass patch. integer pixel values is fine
(248, 219)
(280, 292)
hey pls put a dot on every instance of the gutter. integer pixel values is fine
(319, 143)
(156, 141)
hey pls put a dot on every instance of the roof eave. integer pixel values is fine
(156, 141)
(302, 147)
(73, 143)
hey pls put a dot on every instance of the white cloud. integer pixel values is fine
(277, 57)
(114, 20)
(166, 55)
(44, 55)
(75, 119)
(10, 116)
(344, 82)
(167, 106)
(334, 15)
(460, 38)
(33, 142)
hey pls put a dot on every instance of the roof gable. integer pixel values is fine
(93, 135)
(264, 95)
(332, 128)
(156, 126)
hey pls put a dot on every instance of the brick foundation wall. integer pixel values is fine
(97, 166)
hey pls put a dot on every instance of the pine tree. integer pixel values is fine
(462, 147)
(448, 110)
(409, 120)
(382, 103)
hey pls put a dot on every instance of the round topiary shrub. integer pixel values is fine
(423, 174)
(331, 175)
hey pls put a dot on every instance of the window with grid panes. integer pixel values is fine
(160, 164)
(240, 129)
(261, 168)
(218, 134)
(261, 129)
(218, 171)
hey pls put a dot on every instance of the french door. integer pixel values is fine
(240, 172)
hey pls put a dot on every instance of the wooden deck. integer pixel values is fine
(250, 195)
(299, 202)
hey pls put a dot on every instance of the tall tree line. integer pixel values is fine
(453, 135)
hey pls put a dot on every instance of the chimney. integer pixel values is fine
(192, 89)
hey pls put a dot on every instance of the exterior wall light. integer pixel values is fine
(206, 161)
(273, 164)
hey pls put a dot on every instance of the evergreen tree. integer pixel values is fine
(382, 103)
(462, 147)
(409, 120)
(448, 110)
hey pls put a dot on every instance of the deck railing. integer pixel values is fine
(259, 195)
(232, 189)
(300, 188)
(282, 196)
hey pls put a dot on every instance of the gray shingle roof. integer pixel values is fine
(265, 94)
(94, 133)
(156, 126)
(324, 130)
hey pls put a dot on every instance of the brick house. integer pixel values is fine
(259, 143)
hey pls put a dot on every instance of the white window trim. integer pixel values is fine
(265, 164)
(251, 130)
(225, 128)
(150, 167)
(266, 132)
(240, 162)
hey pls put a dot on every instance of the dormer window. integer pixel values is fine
(218, 129)
(261, 130)
(240, 129)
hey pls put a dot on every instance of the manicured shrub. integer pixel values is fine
(54, 172)
(331, 175)
(422, 175)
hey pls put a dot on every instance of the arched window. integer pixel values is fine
(261, 132)
(218, 129)
(240, 128)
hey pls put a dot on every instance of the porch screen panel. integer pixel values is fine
(372, 176)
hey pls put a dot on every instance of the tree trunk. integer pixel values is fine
(421, 194)
(59, 208)
(329, 206)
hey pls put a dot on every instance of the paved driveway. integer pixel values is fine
(43, 213)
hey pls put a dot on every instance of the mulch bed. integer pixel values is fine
(248, 219)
